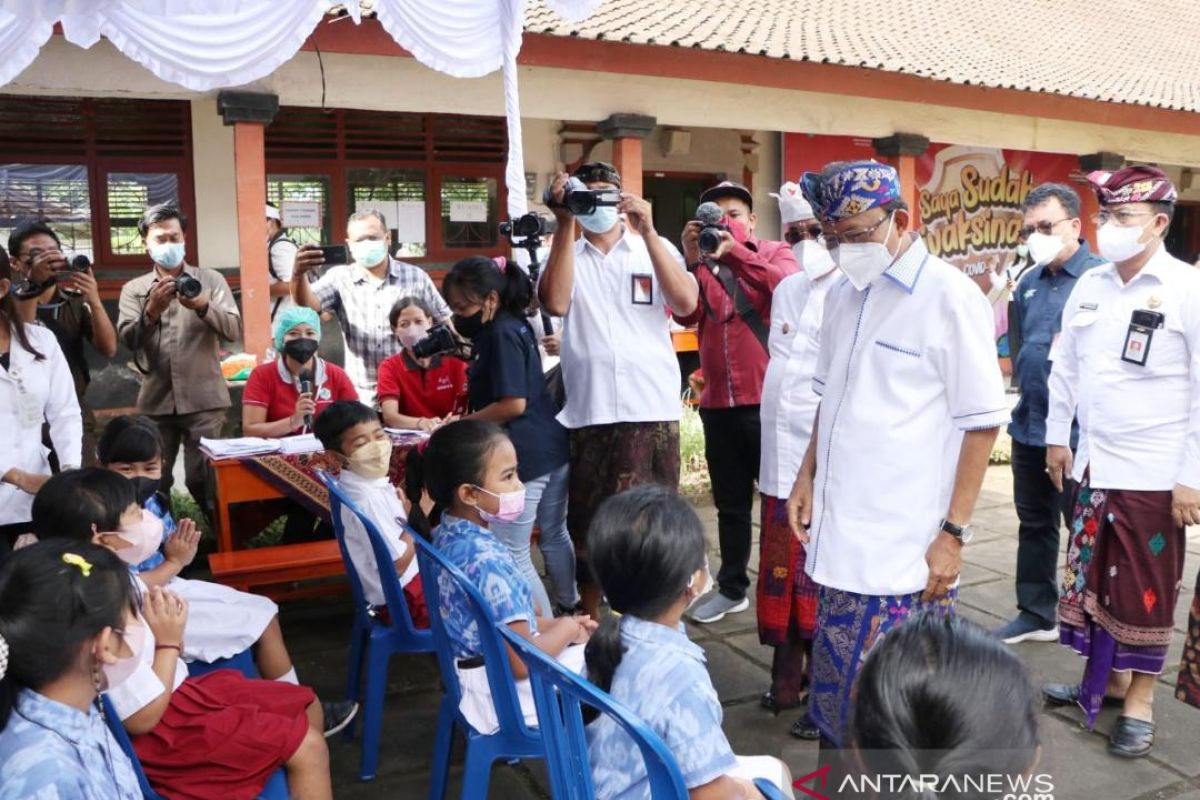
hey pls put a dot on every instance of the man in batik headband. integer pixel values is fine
(911, 401)
(1126, 366)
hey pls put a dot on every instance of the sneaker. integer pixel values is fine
(1026, 628)
(338, 714)
(716, 607)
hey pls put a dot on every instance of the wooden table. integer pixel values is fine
(234, 482)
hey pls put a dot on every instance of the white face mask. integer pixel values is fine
(1043, 248)
(122, 669)
(813, 257)
(863, 262)
(1119, 244)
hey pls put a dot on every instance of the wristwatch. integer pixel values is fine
(964, 533)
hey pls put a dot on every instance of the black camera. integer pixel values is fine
(709, 215)
(440, 339)
(580, 200)
(526, 226)
(24, 289)
(188, 287)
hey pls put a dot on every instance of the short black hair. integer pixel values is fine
(339, 417)
(408, 302)
(129, 439)
(598, 172)
(27, 230)
(160, 213)
(71, 502)
(1067, 197)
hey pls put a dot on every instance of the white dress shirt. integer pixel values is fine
(1139, 426)
(143, 686)
(376, 498)
(906, 366)
(618, 362)
(788, 400)
(34, 391)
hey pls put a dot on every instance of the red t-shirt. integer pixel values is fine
(438, 391)
(267, 387)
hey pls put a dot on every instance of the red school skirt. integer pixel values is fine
(223, 735)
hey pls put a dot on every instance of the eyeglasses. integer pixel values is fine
(796, 234)
(854, 236)
(1122, 218)
(1045, 227)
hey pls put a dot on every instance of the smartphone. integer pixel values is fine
(335, 254)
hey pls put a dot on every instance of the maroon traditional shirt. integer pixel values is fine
(733, 360)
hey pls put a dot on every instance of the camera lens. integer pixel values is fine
(188, 287)
(709, 240)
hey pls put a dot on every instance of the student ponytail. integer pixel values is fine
(475, 277)
(645, 544)
(414, 488)
(54, 596)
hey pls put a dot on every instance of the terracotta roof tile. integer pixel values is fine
(1066, 47)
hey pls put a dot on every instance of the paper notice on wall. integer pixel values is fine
(301, 213)
(410, 221)
(468, 211)
(385, 207)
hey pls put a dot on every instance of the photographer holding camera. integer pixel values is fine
(173, 318)
(737, 275)
(64, 297)
(614, 287)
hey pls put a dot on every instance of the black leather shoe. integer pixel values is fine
(1131, 738)
(768, 701)
(1066, 694)
(804, 728)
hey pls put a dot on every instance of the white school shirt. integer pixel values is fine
(618, 362)
(143, 687)
(1139, 426)
(788, 400)
(46, 390)
(376, 498)
(906, 366)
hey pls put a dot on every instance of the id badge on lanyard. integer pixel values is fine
(1142, 326)
(29, 408)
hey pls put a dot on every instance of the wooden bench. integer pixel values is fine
(277, 571)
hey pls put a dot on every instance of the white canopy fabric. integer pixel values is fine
(212, 44)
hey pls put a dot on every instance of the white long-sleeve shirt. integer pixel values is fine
(1139, 426)
(789, 403)
(33, 392)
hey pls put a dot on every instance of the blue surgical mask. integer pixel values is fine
(601, 220)
(369, 252)
(168, 255)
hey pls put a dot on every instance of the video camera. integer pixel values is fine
(25, 288)
(527, 226)
(709, 215)
(580, 200)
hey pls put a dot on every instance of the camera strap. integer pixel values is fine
(741, 303)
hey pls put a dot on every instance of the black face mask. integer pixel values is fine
(301, 350)
(468, 326)
(145, 488)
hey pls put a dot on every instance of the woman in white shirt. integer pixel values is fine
(35, 388)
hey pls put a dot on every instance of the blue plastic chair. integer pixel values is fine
(560, 696)
(381, 640)
(514, 739)
(243, 662)
(275, 789)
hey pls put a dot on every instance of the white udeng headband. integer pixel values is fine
(3, 658)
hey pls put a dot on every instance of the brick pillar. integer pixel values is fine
(902, 151)
(249, 114)
(627, 132)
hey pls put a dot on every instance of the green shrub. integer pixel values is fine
(693, 468)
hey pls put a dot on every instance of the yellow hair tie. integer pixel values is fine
(78, 561)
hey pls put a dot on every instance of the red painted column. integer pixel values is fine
(251, 170)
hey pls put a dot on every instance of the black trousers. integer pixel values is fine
(731, 446)
(1039, 508)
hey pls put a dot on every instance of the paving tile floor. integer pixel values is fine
(318, 633)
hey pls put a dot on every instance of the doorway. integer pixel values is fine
(1183, 237)
(674, 196)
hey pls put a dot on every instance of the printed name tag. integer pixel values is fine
(1089, 306)
(641, 290)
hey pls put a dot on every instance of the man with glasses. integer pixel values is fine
(786, 596)
(1051, 232)
(615, 287)
(911, 403)
(737, 282)
(1128, 365)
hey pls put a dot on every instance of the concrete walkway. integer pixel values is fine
(1075, 758)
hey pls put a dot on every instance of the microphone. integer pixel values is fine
(709, 213)
(305, 378)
